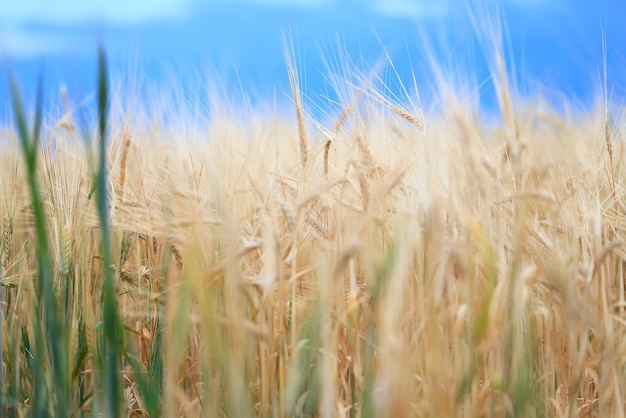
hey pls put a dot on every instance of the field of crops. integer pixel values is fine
(388, 260)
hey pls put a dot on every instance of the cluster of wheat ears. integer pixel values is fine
(389, 262)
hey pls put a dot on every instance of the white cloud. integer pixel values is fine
(537, 3)
(13, 13)
(296, 3)
(19, 43)
(21, 22)
(411, 9)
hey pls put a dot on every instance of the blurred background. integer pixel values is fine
(234, 46)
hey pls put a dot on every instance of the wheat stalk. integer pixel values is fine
(609, 148)
(294, 82)
(125, 148)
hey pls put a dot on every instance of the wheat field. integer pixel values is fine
(388, 260)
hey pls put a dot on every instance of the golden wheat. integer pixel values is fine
(476, 271)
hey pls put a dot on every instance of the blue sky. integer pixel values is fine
(555, 45)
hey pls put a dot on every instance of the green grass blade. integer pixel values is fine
(111, 322)
(150, 394)
(20, 120)
(54, 330)
(38, 119)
